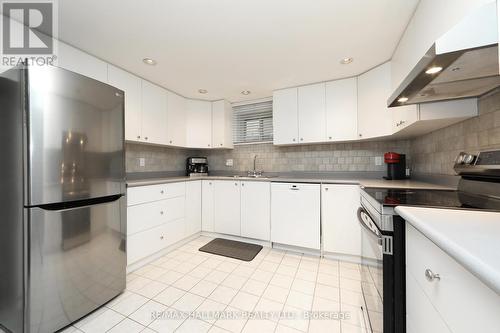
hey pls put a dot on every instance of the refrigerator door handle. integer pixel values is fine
(80, 203)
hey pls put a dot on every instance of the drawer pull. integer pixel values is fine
(161, 237)
(161, 213)
(162, 192)
(431, 276)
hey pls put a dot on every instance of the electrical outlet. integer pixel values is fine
(229, 162)
(142, 161)
(378, 160)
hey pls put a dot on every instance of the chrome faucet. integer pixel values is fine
(254, 173)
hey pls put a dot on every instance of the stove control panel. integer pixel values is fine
(489, 158)
(485, 164)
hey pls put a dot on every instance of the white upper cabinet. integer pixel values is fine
(198, 124)
(311, 106)
(80, 62)
(154, 113)
(285, 116)
(176, 120)
(374, 117)
(222, 124)
(342, 110)
(413, 120)
(404, 116)
(131, 85)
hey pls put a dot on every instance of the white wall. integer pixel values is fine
(431, 19)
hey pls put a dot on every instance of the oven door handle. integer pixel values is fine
(373, 229)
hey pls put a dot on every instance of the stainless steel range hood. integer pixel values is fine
(462, 63)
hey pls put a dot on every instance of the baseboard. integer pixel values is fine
(298, 249)
(342, 257)
(144, 261)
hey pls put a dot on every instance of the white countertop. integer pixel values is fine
(472, 238)
(408, 184)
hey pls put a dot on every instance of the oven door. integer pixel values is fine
(374, 266)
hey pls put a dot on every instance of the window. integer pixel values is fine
(253, 123)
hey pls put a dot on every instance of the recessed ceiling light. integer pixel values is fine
(202, 91)
(434, 70)
(246, 92)
(346, 61)
(403, 99)
(149, 61)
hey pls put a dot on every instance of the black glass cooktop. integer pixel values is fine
(432, 198)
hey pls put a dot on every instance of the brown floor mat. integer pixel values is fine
(232, 249)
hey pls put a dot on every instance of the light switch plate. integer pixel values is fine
(142, 161)
(229, 162)
(378, 160)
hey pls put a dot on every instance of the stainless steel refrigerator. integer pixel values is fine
(62, 197)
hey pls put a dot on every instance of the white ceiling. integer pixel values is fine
(226, 46)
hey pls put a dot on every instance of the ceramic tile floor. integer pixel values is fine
(191, 291)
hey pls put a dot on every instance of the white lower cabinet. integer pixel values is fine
(157, 217)
(457, 302)
(340, 227)
(238, 208)
(256, 210)
(193, 207)
(227, 207)
(207, 205)
(295, 214)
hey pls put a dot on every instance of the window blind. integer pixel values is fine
(253, 123)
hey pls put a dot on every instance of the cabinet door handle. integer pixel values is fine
(161, 213)
(145, 138)
(235, 184)
(138, 137)
(293, 139)
(326, 188)
(161, 237)
(360, 135)
(301, 139)
(431, 276)
(329, 138)
(162, 192)
(170, 141)
(242, 184)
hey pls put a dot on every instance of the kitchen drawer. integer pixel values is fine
(146, 243)
(420, 313)
(147, 215)
(141, 194)
(462, 300)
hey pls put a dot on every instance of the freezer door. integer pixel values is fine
(75, 137)
(77, 261)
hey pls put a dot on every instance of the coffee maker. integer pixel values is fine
(197, 166)
(396, 166)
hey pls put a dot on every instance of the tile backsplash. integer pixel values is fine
(359, 156)
(434, 153)
(156, 158)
